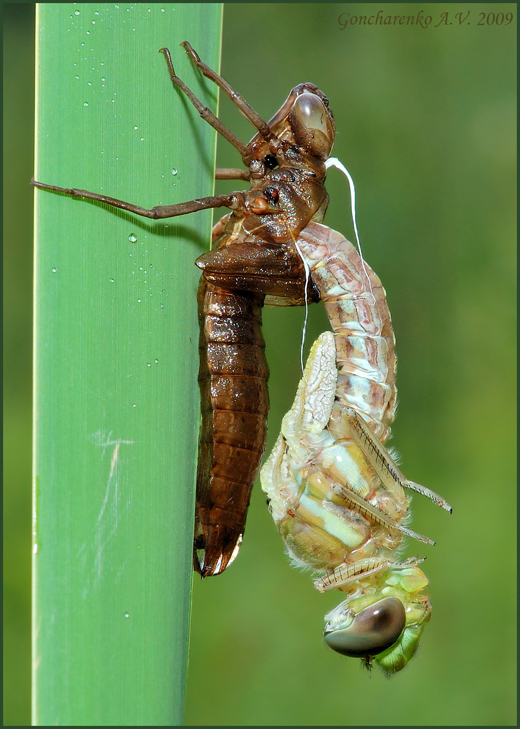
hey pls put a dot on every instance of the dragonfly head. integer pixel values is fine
(384, 625)
(304, 123)
(370, 631)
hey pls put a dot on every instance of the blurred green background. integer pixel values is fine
(426, 121)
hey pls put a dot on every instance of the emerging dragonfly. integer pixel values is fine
(334, 491)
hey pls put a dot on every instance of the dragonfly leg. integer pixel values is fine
(383, 463)
(205, 113)
(161, 211)
(246, 108)
(232, 173)
(345, 573)
(374, 514)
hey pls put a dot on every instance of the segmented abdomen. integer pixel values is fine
(334, 491)
(233, 384)
(355, 303)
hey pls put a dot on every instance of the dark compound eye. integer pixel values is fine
(312, 125)
(270, 161)
(373, 630)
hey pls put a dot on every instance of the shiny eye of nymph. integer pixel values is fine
(372, 631)
(270, 161)
(312, 125)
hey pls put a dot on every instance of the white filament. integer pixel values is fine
(307, 276)
(334, 162)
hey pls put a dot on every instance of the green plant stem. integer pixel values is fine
(116, 400)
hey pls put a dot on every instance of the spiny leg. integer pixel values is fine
(372, 513)
(345, 573)
(383, 463)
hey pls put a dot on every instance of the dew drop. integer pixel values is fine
(76, 12)
(76, 77)
(136, 128)
(126, 615)
(138, 301)
(175, 172)
(85, 103)
(156, 361)
(111, 280)
(148, 364)
(134, 405)
(54, 270)
(35, 549)
(142, 139)
(132, 238)
(163, 10)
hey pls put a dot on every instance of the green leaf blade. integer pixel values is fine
(116, 403)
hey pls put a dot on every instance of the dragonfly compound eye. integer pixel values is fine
(372, 631)
(312, 126)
